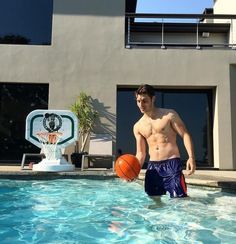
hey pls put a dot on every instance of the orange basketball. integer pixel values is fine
(127, 167)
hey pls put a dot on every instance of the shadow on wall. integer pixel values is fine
(89, 7)
(104, 115)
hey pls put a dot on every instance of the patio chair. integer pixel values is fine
(100, 147)
(31, 155)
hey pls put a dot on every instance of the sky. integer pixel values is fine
(173, 6)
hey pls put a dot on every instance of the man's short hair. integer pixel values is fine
(145, 89)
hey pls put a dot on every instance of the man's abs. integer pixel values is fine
(163, 151)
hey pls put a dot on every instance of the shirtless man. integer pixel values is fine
(158, 129)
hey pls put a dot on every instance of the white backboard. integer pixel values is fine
(63, 121)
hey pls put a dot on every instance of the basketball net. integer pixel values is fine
(49, 141)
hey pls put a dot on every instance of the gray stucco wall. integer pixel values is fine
(233, 110)
(88, 54)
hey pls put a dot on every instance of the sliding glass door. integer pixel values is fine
(193, 106)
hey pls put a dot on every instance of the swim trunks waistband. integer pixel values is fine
(163, 161)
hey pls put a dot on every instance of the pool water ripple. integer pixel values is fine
(107, 211)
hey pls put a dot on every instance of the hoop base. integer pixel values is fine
(53, 165)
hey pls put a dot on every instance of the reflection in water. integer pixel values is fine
(115, 227)
(157, 203)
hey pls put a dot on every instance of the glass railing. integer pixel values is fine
(184, 30)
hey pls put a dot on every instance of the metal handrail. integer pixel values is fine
(181, 16)
(130, 17)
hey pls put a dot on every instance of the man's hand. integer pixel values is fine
(190, 166)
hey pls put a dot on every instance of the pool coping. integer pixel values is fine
(224, 180)
(33, 175)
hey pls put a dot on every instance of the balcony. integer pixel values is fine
(180, 31)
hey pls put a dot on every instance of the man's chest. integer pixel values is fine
(158, 126)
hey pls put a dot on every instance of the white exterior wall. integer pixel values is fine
(227, 7)
(224, 6)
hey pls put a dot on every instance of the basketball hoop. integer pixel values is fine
(49, 141)
(52, 131)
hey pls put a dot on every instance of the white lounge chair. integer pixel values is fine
(100, 147)
(31, 155)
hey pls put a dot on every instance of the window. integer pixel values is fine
(26, 22)
(16, 102)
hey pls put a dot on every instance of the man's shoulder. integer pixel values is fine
(167, 111)
(139, 123)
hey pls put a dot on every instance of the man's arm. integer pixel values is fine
(180, 128)
(140, 145)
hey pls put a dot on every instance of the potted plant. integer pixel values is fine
(87, 115)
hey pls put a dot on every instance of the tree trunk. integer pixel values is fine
(84, 140)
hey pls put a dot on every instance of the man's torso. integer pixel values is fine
(160, 135)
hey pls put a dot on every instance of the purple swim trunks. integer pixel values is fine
(165, 176)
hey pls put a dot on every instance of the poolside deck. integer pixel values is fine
(226, 180)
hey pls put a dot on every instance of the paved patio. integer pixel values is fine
(226, 180)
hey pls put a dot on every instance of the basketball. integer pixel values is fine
(127, 167)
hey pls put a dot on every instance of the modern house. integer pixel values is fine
(106, 49)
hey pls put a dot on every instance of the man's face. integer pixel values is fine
(145, 103)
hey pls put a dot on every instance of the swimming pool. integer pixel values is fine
(109, 211)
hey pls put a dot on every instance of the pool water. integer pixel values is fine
(110, 211)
